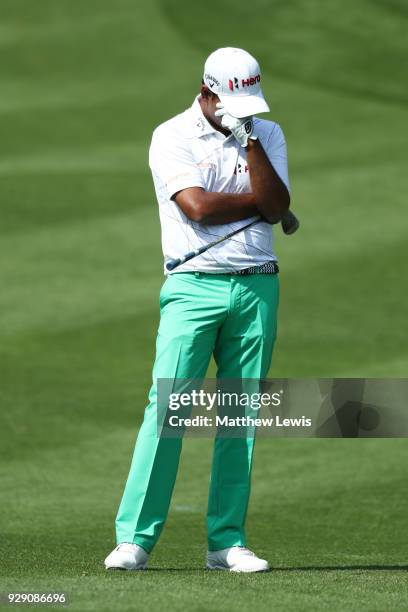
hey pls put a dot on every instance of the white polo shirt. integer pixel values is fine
(187, 151)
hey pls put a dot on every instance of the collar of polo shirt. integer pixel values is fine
(200, 125)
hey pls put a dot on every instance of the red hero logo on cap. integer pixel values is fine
(234, 83)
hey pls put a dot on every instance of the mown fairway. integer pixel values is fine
(82, 86)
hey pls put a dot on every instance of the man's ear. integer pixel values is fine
(206, 92)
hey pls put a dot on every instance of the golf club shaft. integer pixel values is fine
(289, 223)
(171, 264)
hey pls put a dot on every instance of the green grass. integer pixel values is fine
(330, 516)
(82, 87)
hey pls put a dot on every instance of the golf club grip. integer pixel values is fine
(290, 223)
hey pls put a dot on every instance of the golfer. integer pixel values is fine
(215, 168)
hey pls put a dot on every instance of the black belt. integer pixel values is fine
(270, 267)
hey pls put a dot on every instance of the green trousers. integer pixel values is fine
(234, 319)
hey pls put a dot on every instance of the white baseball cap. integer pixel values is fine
(234, 75)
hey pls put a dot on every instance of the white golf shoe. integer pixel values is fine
(127, 557)
(236, 559)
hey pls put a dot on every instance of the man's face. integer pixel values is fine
(208, 103)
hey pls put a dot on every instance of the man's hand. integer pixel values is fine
(242, 129)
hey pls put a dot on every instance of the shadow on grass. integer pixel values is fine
(305, 568)
(339, 568)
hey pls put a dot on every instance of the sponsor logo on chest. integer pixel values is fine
(241, 169)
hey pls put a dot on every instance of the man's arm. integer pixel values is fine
(270, 193)
(269, 197)
(213, 208)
